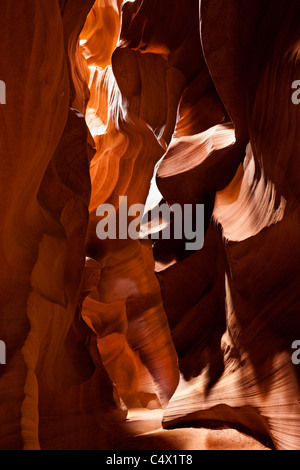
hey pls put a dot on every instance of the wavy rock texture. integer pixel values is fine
(127, 293)
(160, 101)
(258, 213)
(50, 387)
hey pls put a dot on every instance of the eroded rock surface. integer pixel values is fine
(159, 101)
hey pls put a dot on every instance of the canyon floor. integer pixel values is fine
(142, 431)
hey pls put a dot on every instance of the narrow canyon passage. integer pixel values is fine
(149, 225)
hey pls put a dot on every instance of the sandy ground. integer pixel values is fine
(143, 431)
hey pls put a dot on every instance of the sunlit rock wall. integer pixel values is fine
(51, 387)
(157, 101)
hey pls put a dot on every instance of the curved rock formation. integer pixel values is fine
(258, 215)
(135, 104)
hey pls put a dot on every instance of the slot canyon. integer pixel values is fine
(140, 342)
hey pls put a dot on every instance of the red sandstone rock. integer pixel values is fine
(102, 96)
